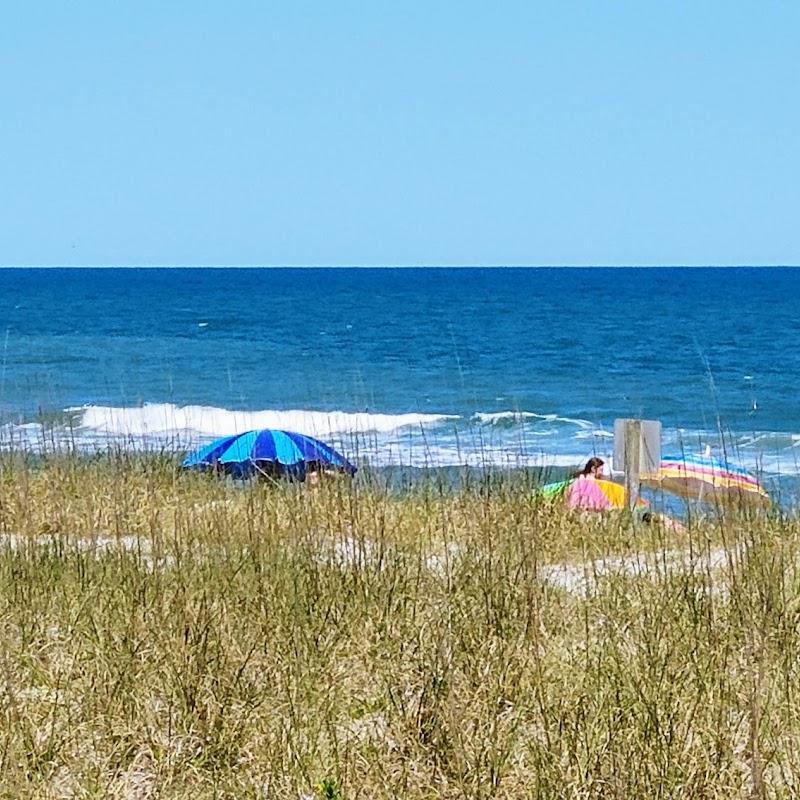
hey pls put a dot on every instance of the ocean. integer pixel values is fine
(419, 367)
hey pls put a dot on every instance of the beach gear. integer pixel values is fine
(615, 493)
(555, 489)
(242, 453)
(707, 478)
(596, 495)
(587, 493)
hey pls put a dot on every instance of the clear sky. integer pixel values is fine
(350, 133)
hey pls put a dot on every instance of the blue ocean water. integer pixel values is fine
(406, 366)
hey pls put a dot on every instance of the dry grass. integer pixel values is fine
(167, 635)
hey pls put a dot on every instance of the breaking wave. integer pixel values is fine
(502, 438)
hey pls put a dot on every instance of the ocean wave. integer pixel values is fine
(492, 418)
(500, 439)
(426, 454)
(594, 433)
(207, 421)
(508, 418)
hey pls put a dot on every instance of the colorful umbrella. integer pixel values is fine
(587, 494)
(555, 489)
(596, 495)
(284, 448)
(704, 477)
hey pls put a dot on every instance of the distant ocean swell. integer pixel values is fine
(502, 439)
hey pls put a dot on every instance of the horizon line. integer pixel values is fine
(399, 266)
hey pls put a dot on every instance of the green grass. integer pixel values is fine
(170, 635)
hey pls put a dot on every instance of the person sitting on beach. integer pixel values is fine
(313, 477)
(593, 470)
(668, 523)
(584, 493)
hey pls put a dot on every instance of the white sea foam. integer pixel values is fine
(594, 433)
(506, 458)
(157, 419)
(522, 417)
(499, 439)
(411, 439)
(516, 416)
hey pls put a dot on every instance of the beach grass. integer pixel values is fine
(175, 635)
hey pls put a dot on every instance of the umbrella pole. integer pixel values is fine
(264, 474)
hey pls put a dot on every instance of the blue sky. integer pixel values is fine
(356, 133)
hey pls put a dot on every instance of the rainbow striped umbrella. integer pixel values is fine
(704, 477)
(590, 493)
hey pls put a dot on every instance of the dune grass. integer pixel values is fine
(172, 635)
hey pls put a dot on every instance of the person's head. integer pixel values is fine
(312, 478)
(593, 468)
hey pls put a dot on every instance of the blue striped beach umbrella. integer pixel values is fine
(284, 448)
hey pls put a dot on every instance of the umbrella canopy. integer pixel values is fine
(556, 489)
(285, 448)
(595, 495)
(576, 495)
(704, 477)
